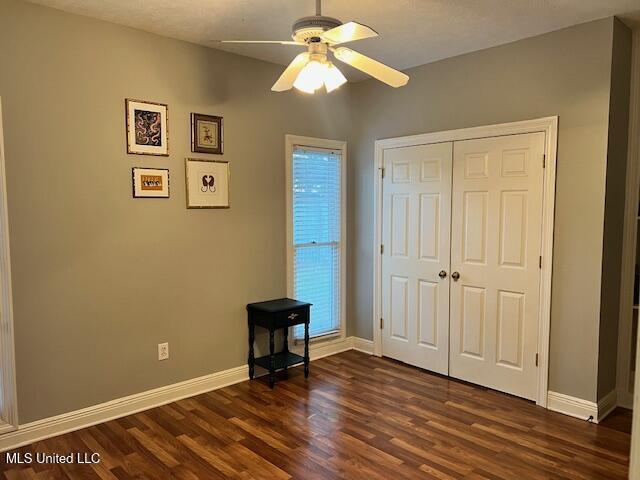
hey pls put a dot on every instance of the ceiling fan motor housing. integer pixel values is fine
(309, 29)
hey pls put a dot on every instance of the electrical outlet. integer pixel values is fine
(163, 351)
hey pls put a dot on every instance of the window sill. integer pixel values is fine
(319, 338)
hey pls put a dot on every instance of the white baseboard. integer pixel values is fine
(325, 348)
(363, 345)
(68, 422)
(607, 404)
(121, 407)
(572, 406)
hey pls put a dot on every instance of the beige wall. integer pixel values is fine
(565, 73)
(99, 278)
(614, 208)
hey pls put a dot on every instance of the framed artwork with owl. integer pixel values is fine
(207, 183)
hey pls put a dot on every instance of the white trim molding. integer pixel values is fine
(547, 125)
(290, 141)
(68, 422)
(321, 349)
(121, 407)
(363, 345)
(583, 409)
(629, 239)
(572, 406)
(607, 404)
(634, 463)
(634, 129)
(9, 413)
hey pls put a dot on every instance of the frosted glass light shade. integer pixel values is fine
(311, 77)
(333, 78)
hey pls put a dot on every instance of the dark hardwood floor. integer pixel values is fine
(357, 417)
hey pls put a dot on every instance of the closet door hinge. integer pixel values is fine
(381, 249)
(540, 265)
(544, 160)
(382, 172)
(536, 359)
(381, 324)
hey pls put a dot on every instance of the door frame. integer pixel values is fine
(547, 125)
(9, 413)
(629, 239)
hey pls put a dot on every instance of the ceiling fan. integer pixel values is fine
(312, 69)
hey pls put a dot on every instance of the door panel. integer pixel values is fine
(495, 244)
(399, 307)
(428, 313)
(416, 235)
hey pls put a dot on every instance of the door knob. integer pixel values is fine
(455, 276)
(442, 274)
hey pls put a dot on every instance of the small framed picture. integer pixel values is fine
(150, 182)
(207, 183)
(147, 127)
(206, 133)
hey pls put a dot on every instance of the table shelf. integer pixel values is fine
(282, 360)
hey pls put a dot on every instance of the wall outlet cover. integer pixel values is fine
(163, 351)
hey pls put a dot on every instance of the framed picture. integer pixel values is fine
(207, 183)
(206, 133)
(147, 127)
(150, 182)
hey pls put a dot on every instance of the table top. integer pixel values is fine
(278, 305)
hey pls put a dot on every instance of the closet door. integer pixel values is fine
(416, 237)
(495, 246)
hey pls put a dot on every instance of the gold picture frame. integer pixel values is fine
(207, 183)
(150, 182)
(139, 140)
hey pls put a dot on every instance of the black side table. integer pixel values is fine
(274, 315)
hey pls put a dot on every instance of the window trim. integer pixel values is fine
(292, 141)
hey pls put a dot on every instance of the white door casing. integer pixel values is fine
(495, 248)
(546, 125)
(8, 391)
(416, 230)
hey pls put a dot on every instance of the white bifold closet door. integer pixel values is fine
(416, 225)
(496, 231)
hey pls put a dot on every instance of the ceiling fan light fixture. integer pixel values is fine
(323, 35)
(333, 78)
(311, 77)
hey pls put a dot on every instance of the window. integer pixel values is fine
(316, 251)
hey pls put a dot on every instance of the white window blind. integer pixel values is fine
(316, 182)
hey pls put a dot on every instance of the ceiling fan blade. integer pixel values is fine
(377, 70)
(348, 32)
(285, 82)
(280, 42)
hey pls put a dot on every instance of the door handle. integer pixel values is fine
(442, 274)
(455, 276)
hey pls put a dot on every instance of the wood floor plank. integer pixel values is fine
(355, 417)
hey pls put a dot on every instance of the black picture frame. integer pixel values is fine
(201, 125)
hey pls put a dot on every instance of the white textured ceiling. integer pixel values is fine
(412, 32)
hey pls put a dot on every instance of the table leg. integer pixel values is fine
(272, 359)
(252, 358)
(306, 350)
(286, 350)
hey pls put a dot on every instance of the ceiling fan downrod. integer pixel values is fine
(318, 7)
